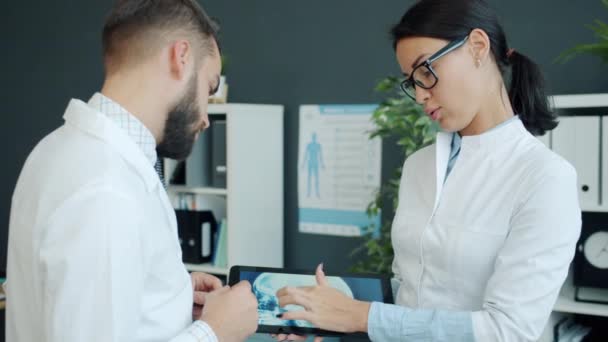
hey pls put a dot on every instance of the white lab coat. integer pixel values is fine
(496, 239)
(93, 249)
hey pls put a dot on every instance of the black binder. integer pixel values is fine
(196, 230)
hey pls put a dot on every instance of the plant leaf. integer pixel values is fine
(400, 117)
(599, 49)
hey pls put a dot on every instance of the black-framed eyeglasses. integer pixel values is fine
(423, 75)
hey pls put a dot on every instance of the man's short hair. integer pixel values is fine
(135, 29)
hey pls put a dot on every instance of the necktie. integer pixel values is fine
(159, 167)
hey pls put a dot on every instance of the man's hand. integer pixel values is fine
(202, 284)
(232, 313)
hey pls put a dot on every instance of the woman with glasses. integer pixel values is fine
(488, 217)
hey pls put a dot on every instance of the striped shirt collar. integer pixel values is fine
(134, 128)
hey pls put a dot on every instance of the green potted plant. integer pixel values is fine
(599, 49)
(398, 117)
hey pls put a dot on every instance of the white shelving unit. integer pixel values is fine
(580, 101)
(207, 268)
(566, 302)
(176, 189)
(566, 305)
(252, 201)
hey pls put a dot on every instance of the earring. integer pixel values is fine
(478, 62)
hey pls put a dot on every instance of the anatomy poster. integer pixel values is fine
(338, 169)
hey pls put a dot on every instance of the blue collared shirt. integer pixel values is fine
(457, 141)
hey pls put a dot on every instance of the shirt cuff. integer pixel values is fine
(202, 332)
(384, 321)
(388, 322)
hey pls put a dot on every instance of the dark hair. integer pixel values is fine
(454, 19)
(129, 20)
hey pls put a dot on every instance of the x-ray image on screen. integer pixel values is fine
(265, 286)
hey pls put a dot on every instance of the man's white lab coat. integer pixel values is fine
(93, 247)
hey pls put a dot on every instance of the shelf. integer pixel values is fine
(580, 101)
(207, 268)
(566, 303)
(225, 108)
(198, 191)
(595, 208)
(569, 305)
(256, 223)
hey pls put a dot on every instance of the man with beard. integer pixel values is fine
(93, 247)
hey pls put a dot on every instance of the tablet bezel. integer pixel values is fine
(234, 277)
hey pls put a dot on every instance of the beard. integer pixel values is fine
(180, 127)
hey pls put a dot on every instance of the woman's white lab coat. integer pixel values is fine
(495, 239)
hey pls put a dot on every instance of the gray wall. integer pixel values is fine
(284, 52)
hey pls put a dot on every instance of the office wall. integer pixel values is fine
(284, 52)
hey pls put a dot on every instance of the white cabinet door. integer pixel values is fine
(545, 139)
(604, 169)
(577, 138)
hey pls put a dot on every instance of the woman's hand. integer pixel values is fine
(325, 307)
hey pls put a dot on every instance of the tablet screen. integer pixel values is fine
(265, 285)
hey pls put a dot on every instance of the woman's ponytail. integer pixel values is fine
(527, 94)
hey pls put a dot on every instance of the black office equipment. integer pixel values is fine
(591, 259)
(196, 230)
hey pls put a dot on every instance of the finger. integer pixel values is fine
(295, 298)
(197, 311)
(320, 275)
(290, 337)
(318, 339)
(307, 288)
(196, 278)
(287, 290)
(282, 291)
(205, 282)
(199, 297)
(280, 337)
(300, 315)
(213, 283)
(218, 292)
(294, 337)
(243, 284)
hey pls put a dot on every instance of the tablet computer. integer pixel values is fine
(265, 282)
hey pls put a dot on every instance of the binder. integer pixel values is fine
(577, 139)
(196, 230)
(218, 154)
(604, 170)
(198, 164)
